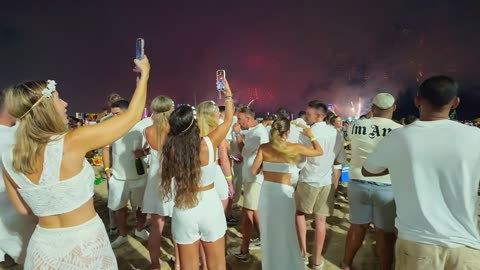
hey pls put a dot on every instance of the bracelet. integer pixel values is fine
(228, 96)
(313, 139)
(107, 169)
(230, 99)
(229, 178)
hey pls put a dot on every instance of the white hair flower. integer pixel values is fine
(51, 87)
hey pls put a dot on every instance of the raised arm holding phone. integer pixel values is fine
(46, 173)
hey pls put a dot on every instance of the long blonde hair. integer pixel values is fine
(277, 138)
(161, 107)
(206, 117)
(37, 123)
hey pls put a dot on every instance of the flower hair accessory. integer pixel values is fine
(46, 92)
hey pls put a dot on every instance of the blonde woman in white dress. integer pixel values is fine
(153, 202)
(46, 173)
(277, 159)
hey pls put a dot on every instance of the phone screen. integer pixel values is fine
(140, 48)
(221, 80)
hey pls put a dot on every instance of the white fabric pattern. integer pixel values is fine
(52, 196)
(83, 247)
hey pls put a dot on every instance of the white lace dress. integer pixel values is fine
(85, 246)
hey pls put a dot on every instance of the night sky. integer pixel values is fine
(279, 53)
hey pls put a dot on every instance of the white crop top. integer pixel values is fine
(278, 167)
(52, 196)
(209, 171)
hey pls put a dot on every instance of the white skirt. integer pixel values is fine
(221, 184)
(85, 246)
(280, 247)
(153, 203)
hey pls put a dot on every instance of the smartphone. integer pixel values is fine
(221, 80)
(140, 46)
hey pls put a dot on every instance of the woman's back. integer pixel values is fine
(51, 196)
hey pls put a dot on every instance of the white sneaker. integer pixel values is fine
(305, 260)
(119, 241)
(319, 267)
(143, 234)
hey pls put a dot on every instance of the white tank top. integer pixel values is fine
(208, 171)
(52, 196)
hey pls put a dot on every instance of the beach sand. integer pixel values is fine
(134, 254)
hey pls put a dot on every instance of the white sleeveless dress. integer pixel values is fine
(85, 246)
(153, 202)
(280, 247)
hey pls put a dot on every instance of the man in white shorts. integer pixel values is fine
(105, 152)
(371, 198)
(124, 182)
(15, 229)
(315, 192)
(433, 165)
(256, 135)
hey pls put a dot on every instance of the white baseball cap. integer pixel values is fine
(384, 101)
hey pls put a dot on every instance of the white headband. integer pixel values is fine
(46, 92)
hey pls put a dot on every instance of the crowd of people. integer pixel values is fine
(417, 184)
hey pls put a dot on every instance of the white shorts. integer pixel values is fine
(120, 191)
(251, 195)
(221, 184)
(205, 222)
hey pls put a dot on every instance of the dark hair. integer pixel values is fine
(363, 116)
(438, 90)
(301, 113)
(248, 111)
(114, 97)
(122, 104)
(410, 119)
(283, 113)
(2, 101)
(269, 118)
(181, 158)
(239, 107)
(221, 108)
(319, 106)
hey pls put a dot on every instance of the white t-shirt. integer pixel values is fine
(364, 136)
(232, 138)
(15, 229)
(433, 166)
(294, 136)
(301, 121)
(8, 139)
(123, 159)
(318, 170)
(255, 137)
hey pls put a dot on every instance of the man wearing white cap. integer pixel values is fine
(371, 198)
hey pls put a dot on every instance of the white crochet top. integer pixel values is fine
(52, 196)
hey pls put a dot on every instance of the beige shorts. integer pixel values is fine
(314, 200)
(411, 255)
(251, 195)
